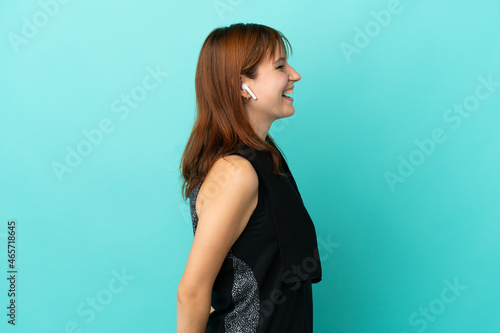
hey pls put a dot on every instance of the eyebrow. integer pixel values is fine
(280, 59)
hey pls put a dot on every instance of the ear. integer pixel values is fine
(244, 93)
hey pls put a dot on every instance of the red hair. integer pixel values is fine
(221, 123)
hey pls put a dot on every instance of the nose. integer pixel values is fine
(293, 75)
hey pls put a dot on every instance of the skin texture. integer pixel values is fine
(228, 196)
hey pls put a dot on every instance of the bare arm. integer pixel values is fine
(226, 200)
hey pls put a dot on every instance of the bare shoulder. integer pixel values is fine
(237, 167)
(230, 178)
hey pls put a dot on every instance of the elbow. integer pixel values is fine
(183, 295)
(187, 295)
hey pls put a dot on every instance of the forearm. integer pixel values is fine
(192, 315)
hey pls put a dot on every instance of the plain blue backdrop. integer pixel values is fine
(394, 146)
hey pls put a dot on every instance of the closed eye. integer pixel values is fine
(280, 67)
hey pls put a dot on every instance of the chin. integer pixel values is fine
(289, 113)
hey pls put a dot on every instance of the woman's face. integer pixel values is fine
(274, 77)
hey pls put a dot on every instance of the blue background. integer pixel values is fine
(389, 252)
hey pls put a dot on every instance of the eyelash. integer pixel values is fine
(281, 66)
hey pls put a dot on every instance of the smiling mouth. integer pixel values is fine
(288, 91)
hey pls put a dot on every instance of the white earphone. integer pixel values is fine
(245, 87)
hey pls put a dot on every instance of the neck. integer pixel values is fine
(262, 132)
(260, 126)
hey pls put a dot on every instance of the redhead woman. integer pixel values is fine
(254, 255)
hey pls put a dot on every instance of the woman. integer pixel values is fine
(254, 253)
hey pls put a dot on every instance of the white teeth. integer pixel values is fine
(289, 91)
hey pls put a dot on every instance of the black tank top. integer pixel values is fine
(249, 293)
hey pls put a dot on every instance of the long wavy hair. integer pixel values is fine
(221, 123)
